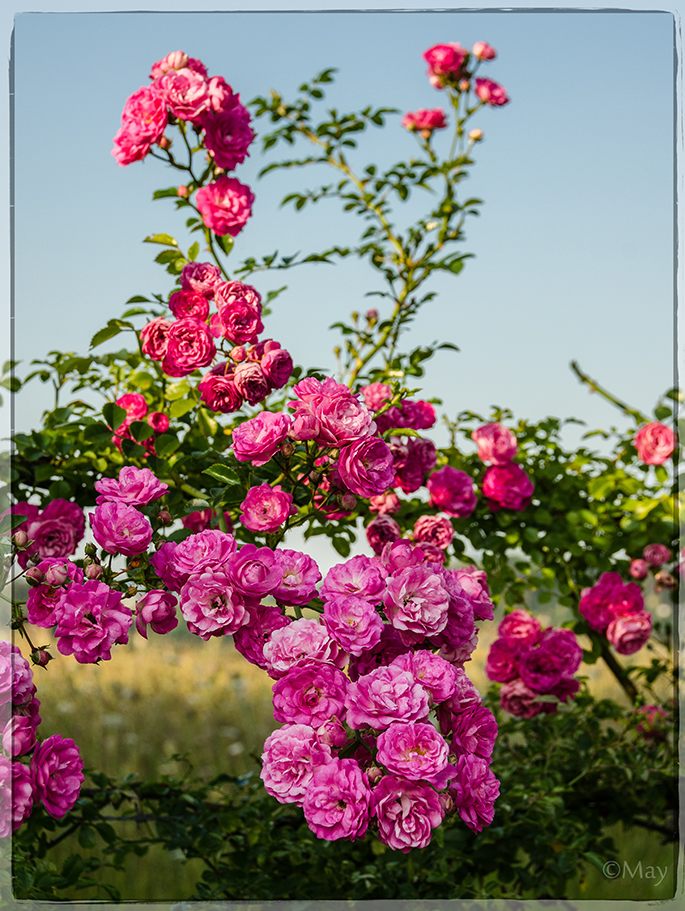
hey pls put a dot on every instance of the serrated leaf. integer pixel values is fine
(166, 239)
(221, 473)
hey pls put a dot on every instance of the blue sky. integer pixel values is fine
(574, 247)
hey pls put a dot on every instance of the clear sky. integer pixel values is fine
(574, 247)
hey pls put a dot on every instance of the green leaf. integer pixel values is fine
(138, 299)
(60, 490)
(181, 407)
(97, 433)
(225, 242)
(177, 390)
(662, 412)
(86, 837)
(222, 473)
(166, 239)
(13, 383)
(114, 415)
(130, 449)
(170, 191)
(166, 443)
(141, 430)
(9, 522)
(109, 331)
(194, 250)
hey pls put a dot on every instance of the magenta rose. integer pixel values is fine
(412, 750)
(55, 532)
(19, 735)
(251, 638)
(328, 412)
(520, 630)
(337, 800)
(228, 135)
(507, 487)
(445, 59)
(153, 338)
(240, 320)
(412, 461)
(201, 278)
(540, 669)
(657, 554)
(57, 772)
(302, 640)
(277, 366)
(299, 575)
(23, 795)
(145, 113)
(452, 491)
(425, 121)
(407, 812)
(609, 598)
(120, 529)
(43, 600)
(360, 576)
(134, 487)
(189, 305)
(185, 92)
(254, 570)
(310, 693)
(491, 93)
(495, 443)
(385, 695)
(211, 604)
(353, 623)
(225, 205)
(189, 346)
(435, 530)
(654, 443)
(251, 382)
(416, 602)
(265, 508)
(290, 756)
(388, 648)
(628, 633)
(435, 675)
(475, 588)
(474, 730)
(258, 439)
(501, 664)
(158, 610)
(90, 621)
(218, 390)
(207, 550)
(639, 569)
(564, 644)
(381, 531)
(474, 791)
(518, 699)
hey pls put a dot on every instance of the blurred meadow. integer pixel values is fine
(176, 695)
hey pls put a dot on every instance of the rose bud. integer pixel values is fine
(164, 517)
(464, 85)
(164, 143)
(639, 569)
(41, 657)
(663, 580)
(20, 539)
(374, 774)
(287, 449)
(348, 501)
(56, 574)
(34, 576)
(237, 354)
(91, 550)
(476, 135)
(93, 571)
(183, 190)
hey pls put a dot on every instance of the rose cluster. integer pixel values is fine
(654, 556)
(358, 748)
(182, 92)
(450, 66)
(52, 532)
(136, 409)
(617, 610)
(251, 369)
(531, 662)
(506, 485)
(48, 772)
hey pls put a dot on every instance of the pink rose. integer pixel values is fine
(654, 443)
(23, 795)
(154, 336)
(385, 504)
(416, 602)
(639, 569)
(211, 605)
(628, 633)
(330, 413)
(210, 549)
(145, 114)
(251, 382)
(353, 623)
(221, 96)
(360, 576)
(277, 366)
(435, 675)
(445, 59)
(290, 756)
(251, 638)
(19, 736)
(474, 730)
(483, 51)
(266, 508)
(310, 693)
(185, 92)
(302, 640)
(240, 320)
(564, 644)
(388, 648)
(120, 529)
(407, 812)
(43, 600)
(90, 621)
(135, 487)
(657, 554)
(225, 205)
(201, 278)
(474, 791)
(218, 390)
(176, 60)
(381, 531)
(412, 750)
(452, 491)
(608, 599)
(496, 444)
(435, 530)
(385, 695)
(254, 570)
(540, 669)
(134, 405)
(366, 467)
(475, 588)
(520, 630)
(55, 532)
(57, 772)
(299, 575)
(158, 609)
(507, 486)
(412, 462)
(518, 699)
(425, 121)
(491, 93)
(189, 346)
(228, 135)
(129, 145)
(337, 801)
(189, 305)
(258, 439)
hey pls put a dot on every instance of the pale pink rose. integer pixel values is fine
(376, 395)
(228, 135)
(211, 605)
(90, 621)
(251, 638)
(435, 530)
(435, 675)
(337, 800)
(385, 504)
(416, 602)
(221, 95)
(258, 439)
(189, 305)
(310, 693)
(412, 750)
(474, 791)
(425, 121)
(491, 93)
(255, 571)
(176, 60)
(495, 443)
(189, 346)
(353, 623)
(202, 278)
(299, 575)
(475, 588)
(520, 630)
(501, 664)
(135, 487)
(361, 576)
(208, 550)
(277, 366)
(218, 390)
(154, 336)
(518, 699)
(630, 632)
(407, 812)
(657, 554)
(185, 93)
(654, 443)
(57, 773)
(385, 695)
(158, 609)
(290, 756)
(452, 491)
(225, 205)
(120, 529)
(302, 640)
(265, 508)
(507, 487)
(639, 569)
(251, 382)
(483, 51)
(145, 113)
(381, 531)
